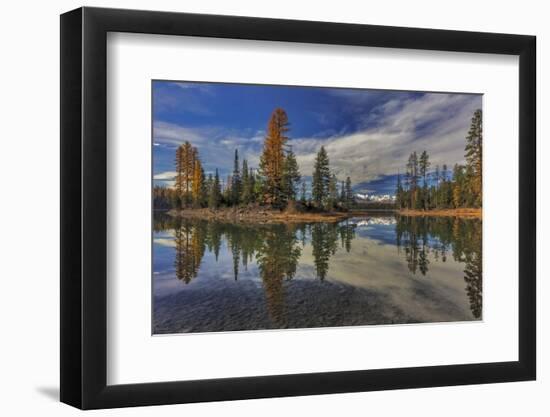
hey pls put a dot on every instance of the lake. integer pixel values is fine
(375, 269)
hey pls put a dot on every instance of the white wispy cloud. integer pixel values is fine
(216, 145)
(167, 175)
(201, 87)
(174, 135)
(437, 123)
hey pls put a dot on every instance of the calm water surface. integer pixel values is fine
(378, 269)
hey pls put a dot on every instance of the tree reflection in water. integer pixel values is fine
(324, 240)
(277, 257)
(277, 248)
(190, 246)
(421, 235)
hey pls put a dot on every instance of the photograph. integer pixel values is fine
(291, 207)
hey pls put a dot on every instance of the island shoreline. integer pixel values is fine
(267, 215)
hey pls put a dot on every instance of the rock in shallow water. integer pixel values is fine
(220, 305)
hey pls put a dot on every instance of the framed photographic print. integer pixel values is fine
(257, 208)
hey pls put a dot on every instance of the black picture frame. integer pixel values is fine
(84, 207)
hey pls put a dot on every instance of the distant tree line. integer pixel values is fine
(276, 183)
(421, 189)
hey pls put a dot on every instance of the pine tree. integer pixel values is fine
(227, 193)
(321, 178)
(291, 177)
(399, 192)
(445, 192)
(342, 193)
(424, 165)
(236, 181)
(473, 154)
(332, 192)
(462, 189)
(204, 189)
(246, 196)
(458, 186)
(214, 198)
(349, 193)
(470, 195)
(437, 184)
(273, 156)
(412, 176)
(254, 185)
(208, 185)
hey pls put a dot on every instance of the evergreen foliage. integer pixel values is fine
(437, 191)
(275, 183)
(321, 178)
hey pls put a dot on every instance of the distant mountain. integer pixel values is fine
(384, 221)
(375, 197)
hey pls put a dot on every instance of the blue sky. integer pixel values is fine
(368, 134)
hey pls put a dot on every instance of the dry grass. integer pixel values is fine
(461, 212)
(264, 215)
(260, 215)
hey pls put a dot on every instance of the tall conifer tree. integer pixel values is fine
(214, 198)
(474, 157)
(321, 178)
(332, 192)
(349, 193)
(291, 177)
(424, 165)
(399, 192)
(273, 156)
(236, 181)
(246, 196)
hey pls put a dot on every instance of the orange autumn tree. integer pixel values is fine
(189, 175)
(273, 157)
(180, 162)
(184, 170)
(198, 179)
